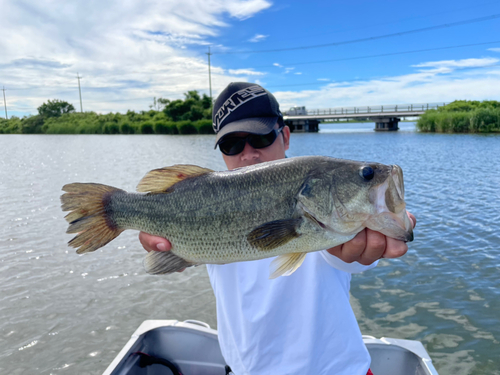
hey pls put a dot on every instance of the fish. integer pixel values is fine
(284, 209)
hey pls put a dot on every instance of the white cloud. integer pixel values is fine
(465, 63)
(246, 8)
(258, 38)
(298, 73)
(248, 72)
(286, 69)
(323, 79)
(494, 49)
(421, 87)
(127, 52)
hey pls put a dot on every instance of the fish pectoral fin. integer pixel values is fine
(274, 234)
(162, 262)
(286, 264)
(159, 180)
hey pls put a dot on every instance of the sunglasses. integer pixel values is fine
(234, 145)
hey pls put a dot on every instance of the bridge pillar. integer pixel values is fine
(386, 123)
(303, 126)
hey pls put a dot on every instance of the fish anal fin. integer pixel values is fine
(163, 262)
(274, 234)
(160, 180)
(285, 265)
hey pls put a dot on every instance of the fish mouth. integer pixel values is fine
(390, 216)
(395, 226)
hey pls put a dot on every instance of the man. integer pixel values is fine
(297, 324)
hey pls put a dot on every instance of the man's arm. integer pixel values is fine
(367, 247)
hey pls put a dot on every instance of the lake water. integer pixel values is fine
(62, 313)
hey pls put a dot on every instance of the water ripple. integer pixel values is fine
(62, 312)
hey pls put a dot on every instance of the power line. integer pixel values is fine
(378, 24)
(382, 54)
(367, 79)
(414, 31)
(296, 63)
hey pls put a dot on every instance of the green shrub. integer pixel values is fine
(186, 127)
(459, 122)
(427, 122)
(484, 120)
(11, 126)
(110, 128)
(172, 127)
(161, 127)
(32, 124)
(204, 127)
(146, 128)
(126, 128)
(460, 106)
(473, 117)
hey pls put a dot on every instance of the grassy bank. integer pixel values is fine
(462, 117)
(192, 115)
(151, 122)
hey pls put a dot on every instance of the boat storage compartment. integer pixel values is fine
(398, 357)
(190, 351)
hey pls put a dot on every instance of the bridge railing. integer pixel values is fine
(368, 109)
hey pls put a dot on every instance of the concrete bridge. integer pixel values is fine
(386, 117)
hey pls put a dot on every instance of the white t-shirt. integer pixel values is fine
(297, 324)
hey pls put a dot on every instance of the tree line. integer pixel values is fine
(192, 115)
(462, 116)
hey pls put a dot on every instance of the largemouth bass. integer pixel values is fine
(284, 208)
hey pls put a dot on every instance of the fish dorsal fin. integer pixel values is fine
(285, 264)
(274, 234)
(159, 180)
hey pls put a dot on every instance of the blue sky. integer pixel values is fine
(129, 52)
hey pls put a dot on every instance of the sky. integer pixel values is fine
(318, 54)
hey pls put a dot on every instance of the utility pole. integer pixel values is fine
(5, 103)
(210, 77)
(80, 90)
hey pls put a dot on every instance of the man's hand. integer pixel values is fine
(154, 243)
(369, 246)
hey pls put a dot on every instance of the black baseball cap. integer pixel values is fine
(245, 107)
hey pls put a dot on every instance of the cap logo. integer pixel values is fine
(236, 100)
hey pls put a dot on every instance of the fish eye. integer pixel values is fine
(367, 173)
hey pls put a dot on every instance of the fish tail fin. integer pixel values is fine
(162, 262)
(88, 216)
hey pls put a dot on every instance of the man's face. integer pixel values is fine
(251, 156)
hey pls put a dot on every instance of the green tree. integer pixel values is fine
(55, 108)
(192, 95)
(162, 103)
(32, 124)
(192, 108)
